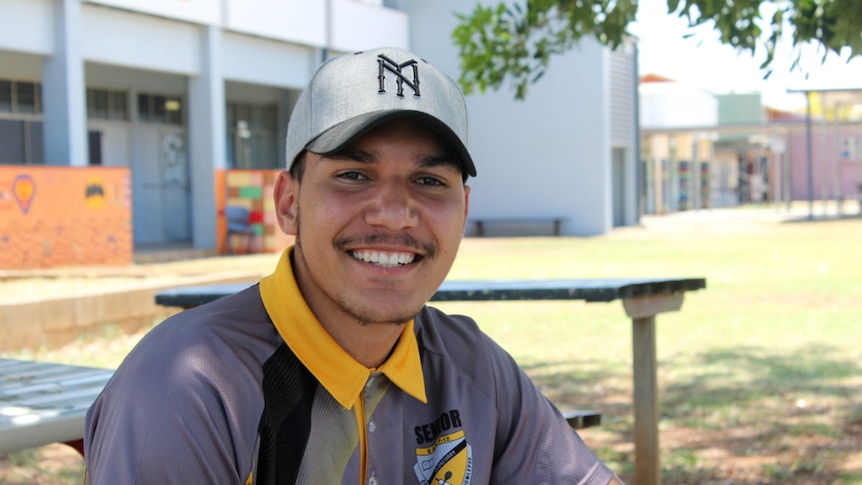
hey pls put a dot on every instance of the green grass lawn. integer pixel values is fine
(760, 373)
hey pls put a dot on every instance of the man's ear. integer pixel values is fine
(286, 195)
(466, 207)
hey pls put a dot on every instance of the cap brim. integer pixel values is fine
(341, 135)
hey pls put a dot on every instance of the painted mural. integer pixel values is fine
(64, 216)
(253, 190)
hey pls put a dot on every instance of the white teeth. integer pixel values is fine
(387, 260)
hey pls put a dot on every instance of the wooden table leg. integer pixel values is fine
(646, 411)
(78, 445)
(642, 310)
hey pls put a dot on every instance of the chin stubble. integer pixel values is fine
(361, 316)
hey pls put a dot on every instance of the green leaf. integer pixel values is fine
(514, 43)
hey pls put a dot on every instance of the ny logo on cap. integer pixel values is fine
(386, 64)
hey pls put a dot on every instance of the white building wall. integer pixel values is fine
(206, 134)
(295, 21)
(196, 11)
(264, 61)
(546, 156)
(27, 26)
(676, 105)
(117, 37)
(64, 109)
(359, 26)
(622, 112)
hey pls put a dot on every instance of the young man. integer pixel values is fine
(332, 370)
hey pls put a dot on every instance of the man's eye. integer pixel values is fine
(433, 181)
(352, 176)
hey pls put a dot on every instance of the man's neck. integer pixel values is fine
(368, 344)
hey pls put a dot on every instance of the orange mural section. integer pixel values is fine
(63, 216)
(253, 191)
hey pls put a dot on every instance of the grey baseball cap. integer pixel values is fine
(352, 94)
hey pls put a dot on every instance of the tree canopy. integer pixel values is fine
(516, 41)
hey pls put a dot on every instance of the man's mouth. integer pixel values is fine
(384, 259)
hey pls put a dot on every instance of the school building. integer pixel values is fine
(188, 101)
(702, 150)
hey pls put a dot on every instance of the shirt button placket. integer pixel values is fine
(371, 387)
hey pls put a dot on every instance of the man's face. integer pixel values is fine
(378, 225)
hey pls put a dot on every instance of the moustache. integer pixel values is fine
(401, 239)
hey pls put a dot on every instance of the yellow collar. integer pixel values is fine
(334, 368)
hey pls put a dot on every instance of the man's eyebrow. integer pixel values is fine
(351, 154)
(442, 160)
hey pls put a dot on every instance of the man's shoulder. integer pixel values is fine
(435, 329)
(230, 335)
(225, 318)
(458, 340)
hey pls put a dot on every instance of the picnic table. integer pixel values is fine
(642, 299)
(43, 403)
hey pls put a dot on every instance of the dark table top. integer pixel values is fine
(590, 290)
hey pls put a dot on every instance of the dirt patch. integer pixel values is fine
(48, 465)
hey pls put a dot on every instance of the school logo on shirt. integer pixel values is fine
(449, 461)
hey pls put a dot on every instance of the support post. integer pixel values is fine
(647, 460)
(642, 310)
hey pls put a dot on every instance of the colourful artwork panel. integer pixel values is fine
(252, 189)
(64, 216)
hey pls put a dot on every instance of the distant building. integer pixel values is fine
(184, 94)
(703, 150)
(569, 150)
(677, 147)
(172, 90)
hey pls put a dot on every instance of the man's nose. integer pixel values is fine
(393, 207)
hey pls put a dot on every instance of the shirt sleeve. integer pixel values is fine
(166, 417)
(535, 443)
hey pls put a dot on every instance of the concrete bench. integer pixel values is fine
(43, 403)
(579, 419)
(481, 223)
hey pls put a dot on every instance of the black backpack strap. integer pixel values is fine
(288, 392)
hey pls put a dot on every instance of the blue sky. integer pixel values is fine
(703, 61)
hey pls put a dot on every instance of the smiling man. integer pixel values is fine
(332, 370)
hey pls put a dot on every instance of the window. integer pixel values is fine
(20, 97)
(157, 108)
(26, 98)
(94, 145)
(144, 107)
(100, 104)
(5, 96)
(251, 135)
(12, 138)
(173, 111)
(103, 104)
(20, 123)
(21, 142)
(118, 100)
